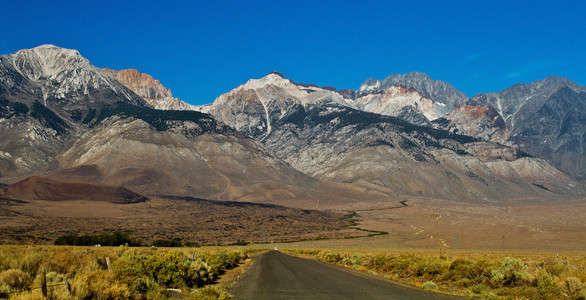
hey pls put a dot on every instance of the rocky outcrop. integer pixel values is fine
(438, 91)
(149, 89)
(60, 79)
(478, 121)
(400, 102)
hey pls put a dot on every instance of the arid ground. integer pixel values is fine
(525, 224)
(192, 220)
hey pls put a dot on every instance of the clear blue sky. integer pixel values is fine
(201, 49)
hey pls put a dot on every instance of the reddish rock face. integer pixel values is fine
(142, 84)
(479, 121)
(148, 88)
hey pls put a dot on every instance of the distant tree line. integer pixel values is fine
(115, 239)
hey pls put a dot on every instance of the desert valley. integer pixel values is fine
(407, 163)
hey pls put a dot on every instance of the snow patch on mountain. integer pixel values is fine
(274, 87)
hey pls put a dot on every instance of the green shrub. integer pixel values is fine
(430, 267)
(4, 263)
(554, 267)
(511, 272)
(166, 268)
(130, 269)
(175, 242)
(463, 282)
(145, 286)
(114, 239)
(51, 278)
(355, 260)
(481, 272)
(199, 273)
(429, 285)
(461, 268)
(547, 286)
(16, 279)
(31, 264)
(401, 264)
(489, 296)
(379, 262)
(478, 289)
(330, 257)
(172, 269)
(572, 287)
(4, 290)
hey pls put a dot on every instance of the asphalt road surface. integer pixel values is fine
(275, 275)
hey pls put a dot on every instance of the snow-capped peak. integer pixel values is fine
(275, 86)
(271, 79)
(47, 61)
(64, 74)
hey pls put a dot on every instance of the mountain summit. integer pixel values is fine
(438, 91)
(546, 118)
(323, 135)
(271, 139)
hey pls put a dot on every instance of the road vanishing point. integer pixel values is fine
(275, 275)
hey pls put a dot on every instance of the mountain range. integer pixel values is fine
(275, 140)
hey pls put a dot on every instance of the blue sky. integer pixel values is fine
(201, 49)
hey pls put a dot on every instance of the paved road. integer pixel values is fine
(275, 275)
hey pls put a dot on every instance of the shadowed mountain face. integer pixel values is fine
(546, 118)
(543, 118)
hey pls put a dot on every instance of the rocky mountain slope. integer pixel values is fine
(401, 102)
(269, 139)
(64, 119)
(508, 117)
(481, 121)
(47, 94)
(546, 118)
(442, 95)
(320, 133)
(149, 89)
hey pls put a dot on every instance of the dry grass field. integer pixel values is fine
(62, 272)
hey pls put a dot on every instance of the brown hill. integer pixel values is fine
(39, 188)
